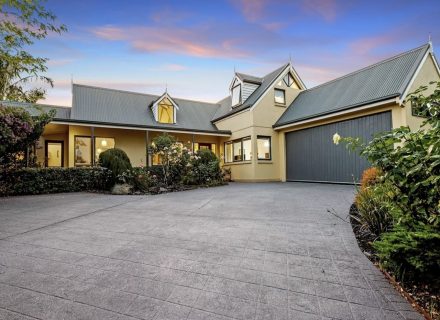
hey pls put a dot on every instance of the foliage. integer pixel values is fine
(173, 158)
(375, 210)
(52, 180)
(410, 161)
(370, 177)
(22, 22)
(204, 169)
(141, 178)
(411, 252)
(116, 160)
(18, 132)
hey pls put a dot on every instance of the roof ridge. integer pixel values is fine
(369, 67)
(142, 94)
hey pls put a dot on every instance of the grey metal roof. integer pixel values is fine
(383, 80)
(62, 113)
(226, 110)
(248, 78)
(101, 105)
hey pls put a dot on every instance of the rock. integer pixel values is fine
(121, 189)
(161, 190)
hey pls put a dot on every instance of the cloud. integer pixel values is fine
(197, 42)
(59, 62)
(325, 8)
(175, 67)
(252, 10)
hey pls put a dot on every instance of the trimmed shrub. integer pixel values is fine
(116, 160)
(53, 180)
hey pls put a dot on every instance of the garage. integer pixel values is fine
(312, 156)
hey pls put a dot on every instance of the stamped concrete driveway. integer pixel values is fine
(243, 251)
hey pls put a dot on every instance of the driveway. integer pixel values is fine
(243, 251)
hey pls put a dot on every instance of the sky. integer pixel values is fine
(192, 47)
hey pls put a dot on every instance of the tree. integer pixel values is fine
(19, 131)
(22, 22)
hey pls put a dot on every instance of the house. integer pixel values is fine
(269, 128)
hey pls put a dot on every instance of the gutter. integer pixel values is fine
(394, 98)
(223, 133)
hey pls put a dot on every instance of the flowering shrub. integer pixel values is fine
(19, 131)
(204, 169)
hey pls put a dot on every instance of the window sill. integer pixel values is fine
(283, 105)
(237, 163)
(261, 161)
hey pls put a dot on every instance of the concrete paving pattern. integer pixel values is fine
(243, 251)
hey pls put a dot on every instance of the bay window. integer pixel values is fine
(238, 150)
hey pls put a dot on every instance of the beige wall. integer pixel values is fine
(254, 122)
(133, 142)
(427, 73)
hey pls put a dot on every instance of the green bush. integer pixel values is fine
(203, 169)
(374, 214)
(410, 164)
(411, 253)
(141, 178)
(53, 180)
(116, 160)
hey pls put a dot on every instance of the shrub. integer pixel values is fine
(204, 169)
(375, 211)
(140, 178)
(370, 177)
(116, 160)
(411, 253)
(53, 180)
(410, 163)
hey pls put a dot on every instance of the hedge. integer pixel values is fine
(53, 180)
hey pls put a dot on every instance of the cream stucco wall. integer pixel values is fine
(428, 72)
(254, 122)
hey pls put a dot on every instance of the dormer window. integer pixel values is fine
(164, 109)
(236, 94)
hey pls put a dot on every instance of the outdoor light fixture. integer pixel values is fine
(104, 143)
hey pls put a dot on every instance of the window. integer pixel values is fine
(264, 148)
(103, 144)
(165, 111)
(83, 151)
(238, 150)
(418, 110)
(280, 96)
(236, 95)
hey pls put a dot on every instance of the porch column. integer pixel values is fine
(193, 151)
(147, 152)
(92, 135)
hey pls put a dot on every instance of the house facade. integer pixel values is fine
(269, 128)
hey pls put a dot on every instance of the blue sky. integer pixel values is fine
(194, 46)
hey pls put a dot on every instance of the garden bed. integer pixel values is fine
(421, 296)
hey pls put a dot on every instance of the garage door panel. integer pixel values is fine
(311, 154)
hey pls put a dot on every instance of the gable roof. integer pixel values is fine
(249, 78)
(226, 110)
(381, 81)
(117, 107)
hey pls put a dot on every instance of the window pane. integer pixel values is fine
(236, 95)
(263, 148)
(165, 111)
(247, 150)
(237, 151)
(83, 151)
(228, 152)
(102, 144)
(279, 96)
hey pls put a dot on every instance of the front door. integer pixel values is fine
(54, 153)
